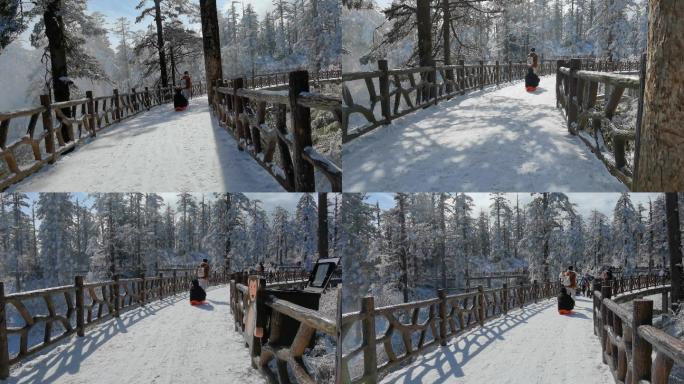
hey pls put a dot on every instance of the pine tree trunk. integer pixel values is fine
(674, 242)
(446, 37)
(425, 39)
(54, 30)
(322, 225)
(212, 44)
(403, 280)
(661, 158)
(160, 44)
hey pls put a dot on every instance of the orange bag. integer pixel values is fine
(564, 311)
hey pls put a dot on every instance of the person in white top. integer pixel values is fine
(203, 274)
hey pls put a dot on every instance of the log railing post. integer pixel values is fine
(559, 64)
(117, 106)
(642, 314)
(115, 289)
(535, 290)
(575, 65)
(161, 285)
(383, 82)
(174, 283)
(148, 102)
(665, 302)
(143, 290)
(521, 295)
(4, 348)
(482, 75)
(504, 298)
(510, 71)
(441, 293)
(91, 113)
(48, 128)
(498, 73)
(301, 132)
(370, 360)
(605, 294)
(80, 313)
(480, 305)
(133, 104)
(238, 109)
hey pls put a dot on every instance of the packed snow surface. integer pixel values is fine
(532, 345)
(166, 341)
(502, 139)
(160, 150)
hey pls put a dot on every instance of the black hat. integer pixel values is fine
(532, 49)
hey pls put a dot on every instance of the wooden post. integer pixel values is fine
(480, 305)
(521, 294)
(92, 121)
(80, 312)
(238, 109)
(301, 133)
(117, 105)
(174, 283)
(115, 288)
(4, 348)
(642, 314)
(148, 101)
(665, 302)
(482, 76)
(461, 76)
(510, 71)
(48, 128)
(605, 294)
(575, 65)
(134, 103)
(535, 290)
(143, 290)
(498, 73)
(161, 285)
(640, 113)
(504, 298)
(383, 82)
(370, 360)
(441, 293)
(559, 78)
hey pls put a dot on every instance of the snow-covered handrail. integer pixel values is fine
(56, 128)
(627, 336)
(257, 118)
(445, 317)
(77, 307)
(412, 89)
(592, 117)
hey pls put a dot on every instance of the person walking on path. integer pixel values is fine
(187, 85)
(203, 274)
(565, 302)
(533, 60)
(197, 294)
(569, 280)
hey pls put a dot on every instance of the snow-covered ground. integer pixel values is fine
(533, 345)
(493, 140)
(166, 341)
(160, 150)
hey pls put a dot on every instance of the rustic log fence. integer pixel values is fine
(634, 350)
(397, 92)
(75, 308)
(68, 124)
(244, 306)
(281, 79)
(258, 119)
(443, 318)
(591, 116)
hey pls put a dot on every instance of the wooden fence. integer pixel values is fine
(244, 306)
(258, 119)
(591, 115)
(402, 91)
(634, 350)
(279, 79)
(448, 316)
(84, 304)
(68, 124)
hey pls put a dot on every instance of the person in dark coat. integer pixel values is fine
(565, 302)
(197, 294)
(180, 102)
(531, 80)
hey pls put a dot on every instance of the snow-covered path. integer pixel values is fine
(533, 345)
(164, 342)
(493, 140)
(160, 150)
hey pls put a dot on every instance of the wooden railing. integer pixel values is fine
(66, 125)
(398, 92)
(258, 119)
(244, 307)
(443, 318)
(282, 79)
(591, 115)
(76, 307)
(635, 350)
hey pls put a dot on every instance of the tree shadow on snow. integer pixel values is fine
(448, 361)
(66, 357)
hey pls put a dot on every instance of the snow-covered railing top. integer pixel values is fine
(275, 328)
(56, 128)
(63, 311)
(629, 341)
(258, 119)
(428, 322)
(412, 89)
(592, 116)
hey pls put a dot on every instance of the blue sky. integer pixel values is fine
(585, 202)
